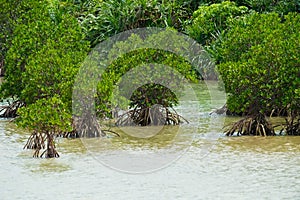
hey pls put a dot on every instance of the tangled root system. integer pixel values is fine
(42, 141)
(87, 126)
(292, 126)
(256, 125)
(150, 116)
(10, 110)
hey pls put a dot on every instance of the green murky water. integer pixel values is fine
(193, 161)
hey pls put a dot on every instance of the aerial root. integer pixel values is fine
(110, 131)
(292, 126)
(87, 126)
(156, 115)
(251, 125)
(39, 141)
(10, 110)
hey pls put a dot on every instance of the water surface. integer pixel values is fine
(203, 167)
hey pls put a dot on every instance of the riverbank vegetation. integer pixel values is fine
(255, 45)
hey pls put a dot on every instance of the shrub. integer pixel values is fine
(210, 21)
(260, 63)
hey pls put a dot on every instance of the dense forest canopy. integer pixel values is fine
(255, 45)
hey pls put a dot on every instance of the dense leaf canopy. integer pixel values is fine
(260, 63)
(43, 43)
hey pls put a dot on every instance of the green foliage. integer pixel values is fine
(150, 94)
(143, 57)
(260, 63)
(52, 69)
(46, 115)
(9, 13)
(43, 44)
(103, 19)
(41, 63)
(210, 21)
(246, 32)
(26, 40)
(281, 7)
(140, 58)
(29, 34)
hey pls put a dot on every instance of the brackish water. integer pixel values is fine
(193, 161)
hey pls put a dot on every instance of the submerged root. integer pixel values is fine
(36, 141)
(82, 127)
(292, 126)
(150, 116)
(112, 132)
(87, 126)
(50, 152)
(42, 141)
(220, 111)
(70, 134)
(256, 125)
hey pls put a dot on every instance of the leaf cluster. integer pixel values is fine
(260, 63)
(41, 62)
(210, 21)
(102, 19)
(146, 93)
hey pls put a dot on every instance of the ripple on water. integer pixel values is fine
(233, 168)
